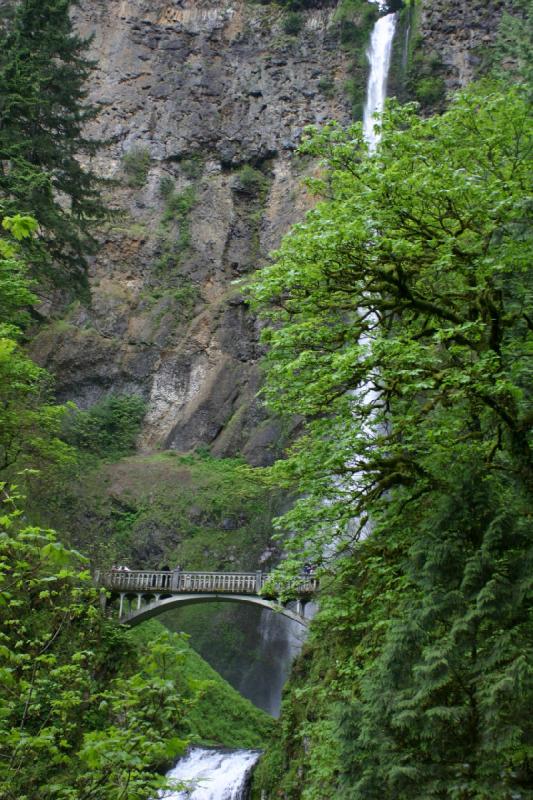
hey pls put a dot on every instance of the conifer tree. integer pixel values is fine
(43, 111)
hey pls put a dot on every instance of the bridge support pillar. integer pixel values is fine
(300, 608)
(121, 607)
(139, 599)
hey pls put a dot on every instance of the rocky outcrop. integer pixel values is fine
(202, 104)
(460, 32)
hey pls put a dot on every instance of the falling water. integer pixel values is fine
(379, 56)
(213, 774)
(280, 642)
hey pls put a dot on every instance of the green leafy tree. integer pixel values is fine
(109, 429)
(43, 110)
(29, 419)
(401, 313)
(83, 714)
(402, 309)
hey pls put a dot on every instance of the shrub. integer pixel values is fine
(179, 204)
(136, 164)
(193, 166)
(430, 90)
(326, 84)
(109, 428)
(292, 23)
(250, 181)
(166, 187)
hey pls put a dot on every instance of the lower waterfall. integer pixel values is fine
(213, 774)
(279, 643)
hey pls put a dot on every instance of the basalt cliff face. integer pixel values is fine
(202, 104)
(461, 34)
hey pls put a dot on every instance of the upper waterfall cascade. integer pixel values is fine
(379, 57)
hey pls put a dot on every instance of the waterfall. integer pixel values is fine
(213, 774)
(280, 642)
(379, 56)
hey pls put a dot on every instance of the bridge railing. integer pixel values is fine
(163, 581)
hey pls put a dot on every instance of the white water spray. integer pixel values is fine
(379, 56)
(213, 774)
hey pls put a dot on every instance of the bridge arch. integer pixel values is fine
(159, 606)
(156, 591)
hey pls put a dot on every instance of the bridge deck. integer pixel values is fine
(177, 582)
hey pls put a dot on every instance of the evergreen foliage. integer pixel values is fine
(401, 328)
(43, 109)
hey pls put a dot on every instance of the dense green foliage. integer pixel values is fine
(43, 111)
(109, 428)
(90, 709)
(29, 420)
(83, 713)
(401, 328)
(220, 715)
(165, 508)
(87, 709)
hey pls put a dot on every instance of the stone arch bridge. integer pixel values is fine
(138, 595)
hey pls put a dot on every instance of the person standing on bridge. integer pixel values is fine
(176, 572)
(165, 582)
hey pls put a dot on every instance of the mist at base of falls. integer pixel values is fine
(252, 648)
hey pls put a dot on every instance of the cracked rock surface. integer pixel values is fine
(196, 91)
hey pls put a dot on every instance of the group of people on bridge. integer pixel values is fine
(167, 579)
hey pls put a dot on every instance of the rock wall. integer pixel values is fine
(202, 102)
(460, 33)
